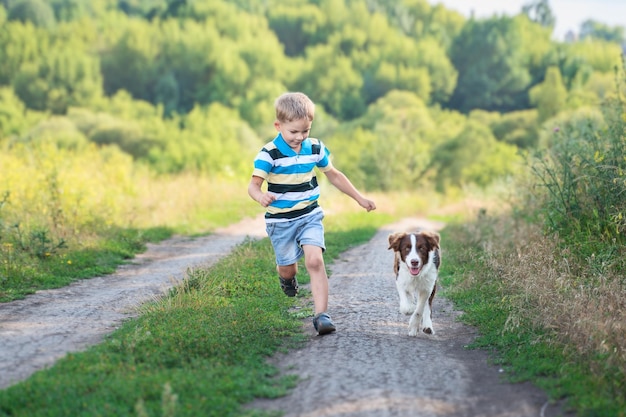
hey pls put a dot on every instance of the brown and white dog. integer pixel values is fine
(416, 265)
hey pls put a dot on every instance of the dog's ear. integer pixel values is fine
(394, 240)
(433, 239)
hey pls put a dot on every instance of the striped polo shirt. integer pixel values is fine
(291, 177)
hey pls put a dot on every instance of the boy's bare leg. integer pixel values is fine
(287, 271)
(314, 262)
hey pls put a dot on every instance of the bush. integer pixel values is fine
(584, 175)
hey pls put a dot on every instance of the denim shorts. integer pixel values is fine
(288, 237)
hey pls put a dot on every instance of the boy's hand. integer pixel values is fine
(266, 199)
(368, 205)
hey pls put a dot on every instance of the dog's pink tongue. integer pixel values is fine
(415, 271)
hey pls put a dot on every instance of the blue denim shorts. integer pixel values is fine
(288, 237)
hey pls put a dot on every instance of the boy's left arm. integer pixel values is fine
(343, 184)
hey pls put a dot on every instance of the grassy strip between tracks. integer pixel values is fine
(199, 351)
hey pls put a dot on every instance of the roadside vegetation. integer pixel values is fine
(201, 350)
(125, 122)
(544, 278)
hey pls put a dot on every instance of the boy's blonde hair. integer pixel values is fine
(294, 106)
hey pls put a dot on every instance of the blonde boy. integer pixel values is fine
(293, 217)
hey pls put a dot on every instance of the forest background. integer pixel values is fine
(123, 121)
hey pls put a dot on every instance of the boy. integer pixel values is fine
(294, 218)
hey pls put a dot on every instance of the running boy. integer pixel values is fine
(294, 218)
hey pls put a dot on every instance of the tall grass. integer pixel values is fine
(583, 174)
(74, 213)
(530, 301)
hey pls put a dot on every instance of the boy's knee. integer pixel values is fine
(314, 263)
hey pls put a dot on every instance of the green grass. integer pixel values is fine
(28, 273)
(201, 351)
(526, 352)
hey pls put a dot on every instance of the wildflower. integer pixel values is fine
(597, 157)
(69, 261)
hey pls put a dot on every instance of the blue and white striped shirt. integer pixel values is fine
(291, 177)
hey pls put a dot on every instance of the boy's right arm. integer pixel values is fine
(255, 192)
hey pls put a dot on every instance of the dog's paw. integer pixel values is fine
(428, 330)
(413, 332)
(407, 309)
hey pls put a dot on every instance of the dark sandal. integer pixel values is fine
(289, 286)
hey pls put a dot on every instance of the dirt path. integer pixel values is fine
(42, 328)
(370, 367)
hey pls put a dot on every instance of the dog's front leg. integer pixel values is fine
(406, 303)
(427, 324)
(418, 318)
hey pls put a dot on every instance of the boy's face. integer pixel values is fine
(294, 132)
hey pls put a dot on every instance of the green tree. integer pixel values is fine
(68, 10)
(15, 118)
(474, 156)
(550, 96)
(539, 11)
(213, 140)
(395, 151)
(19, 44)
(297, 27)
(519, 128)
(332, 81)
(419, 19)
(63, 77)
(37, 12)
(130, 63)
(596, 30)
(495, 59)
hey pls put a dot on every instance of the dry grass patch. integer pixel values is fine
(544, 291)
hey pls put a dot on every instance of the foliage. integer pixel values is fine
(544, 315)
(58, 80)
(136, 73)
(69, 210)
(519, 128)
(496, 65)
(583, 174)
(539, 11)
(550, 96)
(598, 30)
(37, 12)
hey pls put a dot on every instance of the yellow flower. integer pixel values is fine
(597, 157)
(69, 262)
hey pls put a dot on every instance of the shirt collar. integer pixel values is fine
(287, 150)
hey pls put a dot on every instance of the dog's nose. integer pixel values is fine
(414, 262)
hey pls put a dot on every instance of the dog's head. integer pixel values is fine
(413, 249)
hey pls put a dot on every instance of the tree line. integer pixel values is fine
(405, 89)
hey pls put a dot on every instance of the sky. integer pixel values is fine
(569, 13)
